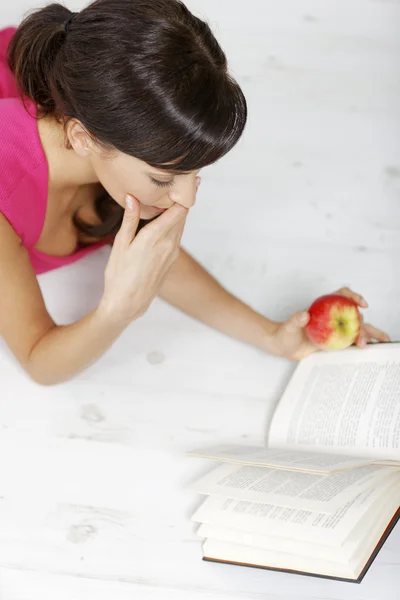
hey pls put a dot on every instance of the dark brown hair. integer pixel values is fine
(146, 77)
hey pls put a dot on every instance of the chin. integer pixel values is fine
(145, 216)
(148, 213)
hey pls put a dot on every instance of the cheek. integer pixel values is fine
(118, 184)
(110, 179)
(147, 193)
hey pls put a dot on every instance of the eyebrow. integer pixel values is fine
(168, 173)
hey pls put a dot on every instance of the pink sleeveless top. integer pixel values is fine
(24, 172)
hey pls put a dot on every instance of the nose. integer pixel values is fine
(184, 192)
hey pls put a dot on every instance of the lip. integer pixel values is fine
(150, 212)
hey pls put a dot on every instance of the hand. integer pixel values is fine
(139, 263)
(290, 340)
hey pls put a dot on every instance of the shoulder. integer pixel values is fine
(23, 168)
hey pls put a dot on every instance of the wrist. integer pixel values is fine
(270, 342)
(109, 317)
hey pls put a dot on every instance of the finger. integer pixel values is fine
(174, 236)
(167, 221)
(376, 334)
(369, 333)
(178, 232)
(129, 223)
(296, 322)
(358, 299)
(362, 340)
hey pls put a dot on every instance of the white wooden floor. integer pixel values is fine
(92, 473)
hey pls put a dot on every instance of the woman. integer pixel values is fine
(107, 117)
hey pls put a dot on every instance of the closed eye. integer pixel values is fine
(162, 183)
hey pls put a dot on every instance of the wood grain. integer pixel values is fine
(92, 473)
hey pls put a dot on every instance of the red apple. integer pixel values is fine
(334, 322)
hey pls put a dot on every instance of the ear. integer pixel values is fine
(79, 138)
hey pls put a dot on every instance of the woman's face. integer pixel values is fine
(156, 190)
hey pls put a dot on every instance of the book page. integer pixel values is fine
(339, 561)
(291, 489)
(373, 522)
(280, 458)
(271, 542)
(248, 555)
(344, 402)
(294, 524)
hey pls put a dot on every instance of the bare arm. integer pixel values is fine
(49, 354)
(194, 291)
(137, 265)
(190, 288)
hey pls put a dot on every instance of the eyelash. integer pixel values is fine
(162, 183)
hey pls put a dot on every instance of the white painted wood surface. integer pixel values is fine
(92, 473)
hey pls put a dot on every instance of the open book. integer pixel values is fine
(324, 493)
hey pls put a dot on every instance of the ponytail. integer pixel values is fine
(32, 54)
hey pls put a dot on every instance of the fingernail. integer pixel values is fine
(129, 202)
(303, 318)
(364, 302)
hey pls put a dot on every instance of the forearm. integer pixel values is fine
(190, 288)
(66, 350)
